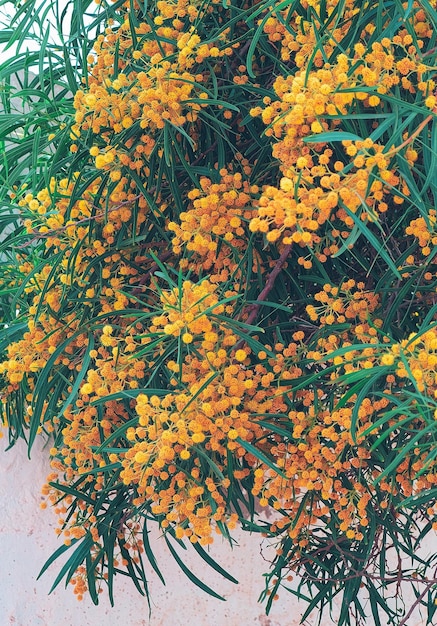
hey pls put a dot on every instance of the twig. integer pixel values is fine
(411, 137)
(84, 220)
(163, 257)
(199, 158)
(254, 308)
(416, 603)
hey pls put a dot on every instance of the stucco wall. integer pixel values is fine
(27, 539)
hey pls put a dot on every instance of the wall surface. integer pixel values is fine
(27, 539)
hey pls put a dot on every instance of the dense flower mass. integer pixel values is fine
(220, 299)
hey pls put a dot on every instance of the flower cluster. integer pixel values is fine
(221, 298)
(415, 359)
(424, 229)
(319, 185)
(213, 227)
(338, 305)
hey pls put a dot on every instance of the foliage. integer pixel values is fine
(218, 288)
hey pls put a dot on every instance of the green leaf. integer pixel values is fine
(332, 136)
(149, 552)
(263, 458)
(210, 561)
(76, 559)
(189, 573)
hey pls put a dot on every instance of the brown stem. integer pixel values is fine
(254, 308)
(416, 603)
(407, 141)
(84, 220)
(144, 278)
(203, 155)
(429, 52)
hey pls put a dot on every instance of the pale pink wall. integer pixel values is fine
(27, 539)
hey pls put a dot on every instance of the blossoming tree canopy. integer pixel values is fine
(218, 294)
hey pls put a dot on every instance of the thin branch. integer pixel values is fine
(84, 220)
(411, 138)
(415, 604)
(254, 308)
(145, 277)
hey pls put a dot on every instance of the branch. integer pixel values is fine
(145, 277)
(417, 602)
(84, 220)
(254, 308)
(411, 137)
